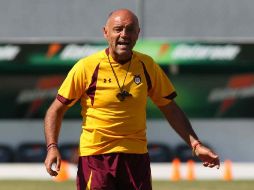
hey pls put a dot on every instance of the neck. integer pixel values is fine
(117, 58)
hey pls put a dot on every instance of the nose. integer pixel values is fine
(124, 33)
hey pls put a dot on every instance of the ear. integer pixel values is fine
(105, 32)
(138, 31)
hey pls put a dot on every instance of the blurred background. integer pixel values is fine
(205, 47)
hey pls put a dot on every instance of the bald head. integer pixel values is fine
(121, 31)
(122, 13)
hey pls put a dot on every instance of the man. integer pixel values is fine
(113, 86)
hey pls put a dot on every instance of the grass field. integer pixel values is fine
(157, 185)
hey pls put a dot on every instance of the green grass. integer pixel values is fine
(203, 185)
(157, 185)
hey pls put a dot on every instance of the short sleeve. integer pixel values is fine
(73, 86)
(162, 91)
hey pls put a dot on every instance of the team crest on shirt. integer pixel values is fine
(137, 79)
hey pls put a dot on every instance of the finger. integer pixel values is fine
(58, 164)
(53, 169)
(205, 164)
(217, 163)
(53, 173)
(213, 155)
(211, 165)
(50, 170)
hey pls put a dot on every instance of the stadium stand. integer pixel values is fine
(69, 152)
(6, 153)
(31, 152)
(159, 152)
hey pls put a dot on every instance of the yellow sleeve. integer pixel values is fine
(73, 86)
(162, 91)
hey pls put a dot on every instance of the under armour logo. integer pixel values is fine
(107, 80)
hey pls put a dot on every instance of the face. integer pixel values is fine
(121, 32)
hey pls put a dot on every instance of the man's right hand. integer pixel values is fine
(53, 161)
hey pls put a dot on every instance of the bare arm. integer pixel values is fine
(52, 126)
(180, 123)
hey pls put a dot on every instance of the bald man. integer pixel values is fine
(112, 86)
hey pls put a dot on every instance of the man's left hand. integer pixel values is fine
(207, 156)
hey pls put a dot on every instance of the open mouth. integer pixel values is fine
(123, 43)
